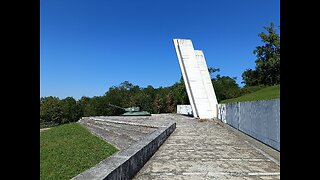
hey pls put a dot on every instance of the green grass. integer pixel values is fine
(267, 93)
(67, 150)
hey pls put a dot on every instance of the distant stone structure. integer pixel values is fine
(185, 110)
(197, 80)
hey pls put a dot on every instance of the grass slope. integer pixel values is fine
(271, 92)
(67, 150)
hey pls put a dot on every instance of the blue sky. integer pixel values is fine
(87, 46)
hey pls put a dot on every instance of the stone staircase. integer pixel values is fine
(121, 134)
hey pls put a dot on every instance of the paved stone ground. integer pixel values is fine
(206, 150)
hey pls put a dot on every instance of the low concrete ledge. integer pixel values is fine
(127, 162)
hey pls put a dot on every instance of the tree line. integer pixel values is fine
(165, 99)
(153, 100)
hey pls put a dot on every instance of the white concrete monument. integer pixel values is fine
(197, 80)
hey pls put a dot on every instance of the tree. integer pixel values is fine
(84, 103)
(95, 107)
(51, 109)
(122, 95)
(71, 111)
(158, 104)
(225, 87)
(179, 92)
(170, 103)
(267, 70)
(143, 100)
(213, 70)
(251, 77)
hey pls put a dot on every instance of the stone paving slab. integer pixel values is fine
(200, 149)
(121, 131)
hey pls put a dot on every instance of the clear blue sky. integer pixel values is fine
(87, 46)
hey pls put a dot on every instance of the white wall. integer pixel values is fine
(197, 79)
(184, 109)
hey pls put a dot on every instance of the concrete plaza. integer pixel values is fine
(206, 149)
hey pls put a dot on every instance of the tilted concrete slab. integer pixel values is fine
(197, 79)
(207, 83)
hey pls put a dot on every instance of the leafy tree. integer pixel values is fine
(170, 103)
(225, 87)
(179, 92)
(120, 96)
(251, 77)
(213, 70)
(51, 109)
(267, 70)
(95, 107)
(158, 104)
(84, 103)
(70, 109)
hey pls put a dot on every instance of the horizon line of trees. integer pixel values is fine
(165, 99)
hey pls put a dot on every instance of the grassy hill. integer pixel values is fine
(271, 92)
(68, 150)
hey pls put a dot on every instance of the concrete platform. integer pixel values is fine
(138, 138)
(200, 149)
(120, 131)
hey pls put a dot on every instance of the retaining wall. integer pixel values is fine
(259, 119)
(126, 163)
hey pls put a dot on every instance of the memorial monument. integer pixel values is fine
(197, 80)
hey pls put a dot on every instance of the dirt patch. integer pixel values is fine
(203, 120)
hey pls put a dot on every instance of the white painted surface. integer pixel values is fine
(213, 103)
(182, 55)
(222, 112)
(197, 79)
(184, 109)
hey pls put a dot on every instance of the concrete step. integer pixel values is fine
(135, 130)
(118, 140)
(121, 135)
(131, 132)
